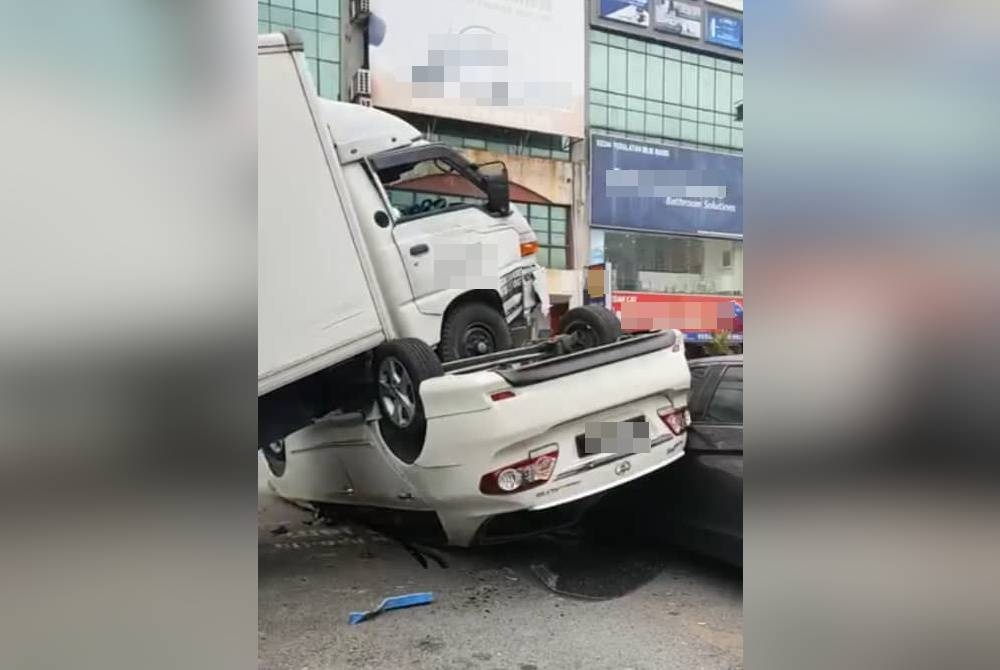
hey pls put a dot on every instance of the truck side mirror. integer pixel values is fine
(497, 193)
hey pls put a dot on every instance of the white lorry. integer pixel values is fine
(340, 271)
(353, 294)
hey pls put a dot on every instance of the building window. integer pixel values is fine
(648, 91)
(660, 263)
(318, 22)
(548, 221)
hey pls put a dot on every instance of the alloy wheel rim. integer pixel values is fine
(397, 394)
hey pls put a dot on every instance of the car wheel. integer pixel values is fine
(274, 454)
(400, 367)
(473, 329)
(592, 326)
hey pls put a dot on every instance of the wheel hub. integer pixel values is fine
(478, 340)
(396, 392)
(584, 335)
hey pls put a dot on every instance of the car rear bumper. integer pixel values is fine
(463, 510)
(453, 490)
(469, 435)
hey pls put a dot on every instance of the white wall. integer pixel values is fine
(567, 283)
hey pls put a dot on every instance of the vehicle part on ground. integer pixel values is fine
(392, 603)
(473, 329)
(591, 325)
(400, 367)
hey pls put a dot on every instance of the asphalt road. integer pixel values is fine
(627, 607)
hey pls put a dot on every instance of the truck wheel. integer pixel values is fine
(400, 367)
(473, 329)
(592, 325)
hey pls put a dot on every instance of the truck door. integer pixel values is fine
(449, 244)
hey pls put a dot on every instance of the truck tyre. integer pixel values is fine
(400, 366)
(592, 325)
(473, 329)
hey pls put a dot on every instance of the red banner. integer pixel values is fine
(698, 316)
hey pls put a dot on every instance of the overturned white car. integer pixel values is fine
(512, 442)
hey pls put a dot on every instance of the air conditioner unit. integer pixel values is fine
(360, 10)
(361, 83)
(364, 101)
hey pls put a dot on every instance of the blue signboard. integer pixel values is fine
(644, 186)
(635, 12)
(725, 30)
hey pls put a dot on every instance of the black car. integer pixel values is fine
(699, 499)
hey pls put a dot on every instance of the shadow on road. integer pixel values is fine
(586, 562)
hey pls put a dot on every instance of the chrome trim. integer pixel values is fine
(598, 462)
(590, 465)
(661, 439)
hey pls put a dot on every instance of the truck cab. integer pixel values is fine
(459, 273)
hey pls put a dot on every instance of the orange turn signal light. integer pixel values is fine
(528, 248)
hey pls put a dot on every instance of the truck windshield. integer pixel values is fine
(429, 178)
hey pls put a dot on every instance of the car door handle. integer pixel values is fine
(419, 249)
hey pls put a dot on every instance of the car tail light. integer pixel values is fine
(501, 395)
(677, 420)
(528, 248)
(523, 475)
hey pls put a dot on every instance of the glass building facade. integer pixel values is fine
(661, 263)
(651, 91)
(648, 91)
(318, 22)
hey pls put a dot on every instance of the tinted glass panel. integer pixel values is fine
(698, 376)
(702, 88)
(727, 403)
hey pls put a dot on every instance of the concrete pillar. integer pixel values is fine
(352, 49)
(579, 212)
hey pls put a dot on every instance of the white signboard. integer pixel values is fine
(513, 63)
(729, 4)
(679, 18)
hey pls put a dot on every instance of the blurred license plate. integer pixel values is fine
(614, 437)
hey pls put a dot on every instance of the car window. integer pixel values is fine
(699, 375)
(727, 403)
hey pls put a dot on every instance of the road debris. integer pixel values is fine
(392, 603)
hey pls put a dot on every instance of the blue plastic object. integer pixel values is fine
(392, 603)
